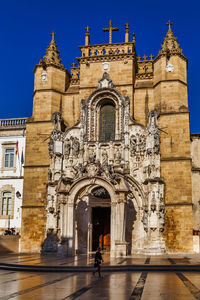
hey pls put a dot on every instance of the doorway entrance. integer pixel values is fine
(101, 228)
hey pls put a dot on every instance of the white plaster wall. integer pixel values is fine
(15, 179)
(21, 145)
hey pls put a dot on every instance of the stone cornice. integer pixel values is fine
(107, 45)
(175, 158)
(36, 166)
(170, 80)
(171, 54)
(102, 58)
(173, 113)
(94, 87)
(48, 90)
(37, 121)
(51, 65)
(32, 206)
(11, 177)
(179, 203)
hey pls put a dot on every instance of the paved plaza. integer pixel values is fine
(15, 284)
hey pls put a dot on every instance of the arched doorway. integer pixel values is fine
(92, 220)
(100, 217)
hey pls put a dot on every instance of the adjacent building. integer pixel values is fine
(12, 152)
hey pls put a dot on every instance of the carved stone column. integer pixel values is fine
(155, 218)
(120, 243)
(70, 228)
(113, 228)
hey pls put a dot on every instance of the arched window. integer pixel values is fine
(107, 122)
(6, 204)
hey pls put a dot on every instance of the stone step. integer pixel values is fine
(111, 268)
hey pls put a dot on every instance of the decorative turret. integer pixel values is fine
(51, 81)
(170, 44)
(52, 56)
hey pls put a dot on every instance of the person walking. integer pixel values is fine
(97, 262)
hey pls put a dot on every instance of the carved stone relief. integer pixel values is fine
(134, 156)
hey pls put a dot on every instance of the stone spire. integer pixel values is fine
(170, 44)
(52, 56)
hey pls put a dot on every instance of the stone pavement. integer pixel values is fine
(126, 284)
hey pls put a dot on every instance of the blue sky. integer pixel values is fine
(25, 27)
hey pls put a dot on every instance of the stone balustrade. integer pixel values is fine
(110, 49)
(13, 123)
(145, 67)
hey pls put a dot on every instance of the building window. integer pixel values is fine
(6, 208)
(9, 158)
(107, 123)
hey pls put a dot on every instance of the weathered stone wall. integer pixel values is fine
(195, 153)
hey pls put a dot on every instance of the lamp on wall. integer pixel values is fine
(18, 195)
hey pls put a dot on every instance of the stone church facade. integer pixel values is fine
(108, 158)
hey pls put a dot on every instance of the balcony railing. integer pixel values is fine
(13, 123)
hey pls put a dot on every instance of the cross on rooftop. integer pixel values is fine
(169, 23)
(151, 56)
(145, 57)
(110, 30)
(127, 26)
(87, 28)
(53, 35)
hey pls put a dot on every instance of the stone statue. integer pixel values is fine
(51, 146)
(118, 157)
(133, 144)
(67, 147)
(104, 158)
(79, 171)
(49, 175)
(92, 156)
(57, 121)
(75, 147)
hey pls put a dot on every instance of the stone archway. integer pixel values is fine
(92, 214)
(126, 214)
(79, 198)
(87, 209)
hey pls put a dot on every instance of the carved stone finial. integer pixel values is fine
(134, 39)
(110, 29)
(52, 56)
(126, 33)
(170, 44)
(87, 35)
